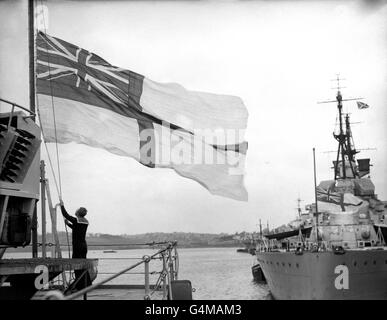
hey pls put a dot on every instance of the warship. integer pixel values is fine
(337, 250)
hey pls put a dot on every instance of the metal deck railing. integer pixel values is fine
(169, 258)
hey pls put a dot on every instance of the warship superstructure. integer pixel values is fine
(338, 248)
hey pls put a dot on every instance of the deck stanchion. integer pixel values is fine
(170, 275)
(146, 267)
(176, 257)
(171, 268)
(164, 277)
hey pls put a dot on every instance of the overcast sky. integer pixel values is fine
(278, 56)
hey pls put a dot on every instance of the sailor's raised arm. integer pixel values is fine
(65, 213)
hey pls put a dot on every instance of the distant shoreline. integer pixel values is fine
(139, 241)
(129, 247)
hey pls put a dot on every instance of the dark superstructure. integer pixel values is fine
(337, 249)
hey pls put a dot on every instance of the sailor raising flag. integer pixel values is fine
(82, 98)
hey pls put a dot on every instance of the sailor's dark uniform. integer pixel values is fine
(79, 227)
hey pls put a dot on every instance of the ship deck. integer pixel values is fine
(20, 274)
(27, 266)
(121, 292)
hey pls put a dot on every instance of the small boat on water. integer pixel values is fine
(247, 250)
(258, 273)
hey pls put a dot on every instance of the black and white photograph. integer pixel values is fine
(190, 150)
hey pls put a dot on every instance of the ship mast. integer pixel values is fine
(31, 53)
(299, 207)
(260, 228)
(315, 193)
(351, 151)
(341, 137)
(345, 150)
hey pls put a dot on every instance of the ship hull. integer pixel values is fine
(356, 274)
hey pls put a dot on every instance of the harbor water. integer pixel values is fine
(215, 273)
